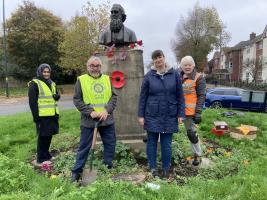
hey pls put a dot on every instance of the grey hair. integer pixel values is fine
(187, 60)
(114, 6)
(92, 59)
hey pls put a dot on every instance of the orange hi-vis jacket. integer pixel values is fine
(190, 95)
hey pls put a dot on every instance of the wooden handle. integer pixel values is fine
(94, 138)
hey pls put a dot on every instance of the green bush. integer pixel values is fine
(12, 175)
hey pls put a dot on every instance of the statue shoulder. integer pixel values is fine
(131, 33)
(126, 29)
(104, 36)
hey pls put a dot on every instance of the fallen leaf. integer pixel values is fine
(245, 162)
(189, 158)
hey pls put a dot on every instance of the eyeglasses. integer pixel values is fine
(46, 72)
(114, 12)
(95, 66)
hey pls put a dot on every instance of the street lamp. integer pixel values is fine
(4, 45)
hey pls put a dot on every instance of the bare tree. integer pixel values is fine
(253, 67)
(198, 34)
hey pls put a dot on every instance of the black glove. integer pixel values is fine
(197, 118)
(56, 97)
(36, 119)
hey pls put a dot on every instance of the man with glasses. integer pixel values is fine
(117, 33)
(95, 98)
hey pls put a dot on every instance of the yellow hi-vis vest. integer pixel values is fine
(47, 106)
(96, 92)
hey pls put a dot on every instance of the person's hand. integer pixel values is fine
(180, 120)
(197, 118)
(36, 119)
(94, 114)
(141, 121)
(56, 97)
(103, 115)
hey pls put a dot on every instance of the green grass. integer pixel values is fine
(23, 91)
(18, 180)
(14, 92)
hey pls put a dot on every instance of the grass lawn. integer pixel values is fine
(239, 170)
(14, 92)
(23, 91)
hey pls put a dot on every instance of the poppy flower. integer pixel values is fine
(132, 45)
(46, 166)
(140, 42)
(111, 51)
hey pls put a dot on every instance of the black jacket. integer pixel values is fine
(46, 126)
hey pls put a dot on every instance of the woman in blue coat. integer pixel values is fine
(161, 107)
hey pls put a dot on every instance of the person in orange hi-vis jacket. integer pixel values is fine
(194, 86)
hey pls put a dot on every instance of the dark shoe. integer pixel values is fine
(196, 161)
(154, 173)
(145, 139)
(165, 174)
(109, 166)
(75, 177)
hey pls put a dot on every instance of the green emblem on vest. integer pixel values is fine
(98, 88)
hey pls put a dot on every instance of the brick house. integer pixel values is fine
(247, 60)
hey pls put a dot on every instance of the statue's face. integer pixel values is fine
(115, 13)
(116, 22)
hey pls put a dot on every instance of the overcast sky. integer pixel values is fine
(154, 21)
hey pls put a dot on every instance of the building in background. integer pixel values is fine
(246, 61)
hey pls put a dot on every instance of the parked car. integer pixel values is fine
(236, 98)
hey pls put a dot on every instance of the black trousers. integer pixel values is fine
(43, 145)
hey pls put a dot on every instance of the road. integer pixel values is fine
(19, 105)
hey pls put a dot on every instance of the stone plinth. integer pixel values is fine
(128, 96)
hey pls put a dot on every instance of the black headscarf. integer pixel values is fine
(39, 73)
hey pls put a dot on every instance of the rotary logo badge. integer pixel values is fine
(98, 88)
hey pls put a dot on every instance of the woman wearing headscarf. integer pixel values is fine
(161, 106)
(43, 97)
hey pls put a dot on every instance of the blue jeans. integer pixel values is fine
(166, 149)
(108, 137)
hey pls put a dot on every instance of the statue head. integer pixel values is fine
(118, 11)
(117, 16)
(117, 33)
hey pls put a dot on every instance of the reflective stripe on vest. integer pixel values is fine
(47, 106)
(190, 95)
(96, 92)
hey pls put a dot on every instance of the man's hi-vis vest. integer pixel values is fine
(190, 95)
(47, 106)
(96, 92)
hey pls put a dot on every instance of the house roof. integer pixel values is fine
(242, 44)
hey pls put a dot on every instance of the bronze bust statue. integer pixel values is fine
(117, 33)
